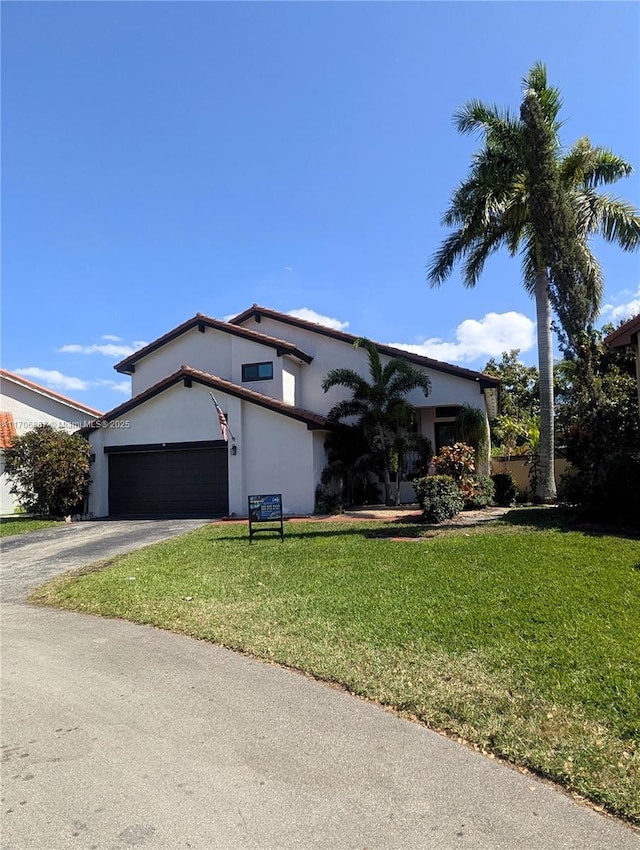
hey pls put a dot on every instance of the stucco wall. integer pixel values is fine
(278, 458)
(220, 354)
(519, 468)
(331, 354)
(209, 351)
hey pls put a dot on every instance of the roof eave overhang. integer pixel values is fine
(312, 421)
(199, 321)
(256, 312)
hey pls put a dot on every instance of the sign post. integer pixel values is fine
(265, 508)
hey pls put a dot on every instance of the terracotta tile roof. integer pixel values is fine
(7, 430)
(312, 420)
(281, 345)
(18, 379)
(256, 312)
(627, 334)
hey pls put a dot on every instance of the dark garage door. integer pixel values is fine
(178, 483)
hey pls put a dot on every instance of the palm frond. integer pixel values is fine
(549, 96)
(375, 365)
(346, 409)
(445, 258)
(403, 378)
(477, 117)
(344, 378)
(615, 220)
(587, 166)
(479, 251)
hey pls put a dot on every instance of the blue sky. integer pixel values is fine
(165, 158)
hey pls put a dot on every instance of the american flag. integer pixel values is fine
(222, 419)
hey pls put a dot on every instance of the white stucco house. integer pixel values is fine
(23, 406)
(161, 453)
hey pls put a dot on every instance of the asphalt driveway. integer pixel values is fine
(116, 735)
(31, 559)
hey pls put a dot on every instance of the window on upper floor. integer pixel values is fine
(257, 371)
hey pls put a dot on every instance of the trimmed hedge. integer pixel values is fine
(439, 497)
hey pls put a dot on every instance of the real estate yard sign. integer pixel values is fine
(265, 508)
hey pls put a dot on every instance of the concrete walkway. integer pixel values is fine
(116, 735)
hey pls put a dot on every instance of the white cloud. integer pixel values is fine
(57, 381)
(621, 312)
(288, 269)
(123, 387)
(311, 316)
(109, 349)
(54, 379)
(487, 337)
(111, 337)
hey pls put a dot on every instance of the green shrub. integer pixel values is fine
(328, 502)
(481, 495)
(49, 471)
(439, 497)
(505, 489)
(607, 494)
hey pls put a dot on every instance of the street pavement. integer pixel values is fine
(116, 735)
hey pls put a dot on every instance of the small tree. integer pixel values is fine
(49, 470)
(380, 405)
(349, 462)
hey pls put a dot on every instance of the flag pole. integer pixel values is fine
(222, 420)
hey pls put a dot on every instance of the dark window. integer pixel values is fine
(445, 433)
(447, 412)
(257, 371)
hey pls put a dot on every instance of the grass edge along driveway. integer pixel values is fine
(12, 525)
(518, 637)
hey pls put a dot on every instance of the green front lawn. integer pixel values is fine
(10, 525)
(519, 637)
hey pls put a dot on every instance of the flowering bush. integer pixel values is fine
(482, 492)
(458, 461)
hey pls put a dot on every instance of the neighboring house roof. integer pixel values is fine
(281, 346)
(627, 334)
(7, 430)
(312, 420)
(30, 385)
(256, 312)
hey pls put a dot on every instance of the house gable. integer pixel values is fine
(215, 347)
(186, 375)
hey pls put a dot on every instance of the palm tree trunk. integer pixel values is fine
(545, 482)
(385, 467)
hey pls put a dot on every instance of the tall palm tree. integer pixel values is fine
(380, 404)
(492, 209)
